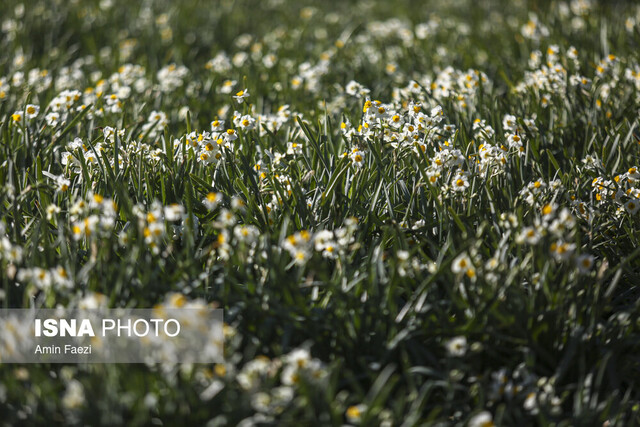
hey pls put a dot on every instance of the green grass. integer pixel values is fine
(431, 273)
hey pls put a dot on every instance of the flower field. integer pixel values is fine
(411, 213)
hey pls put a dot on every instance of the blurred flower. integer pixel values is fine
(354, 413)
(481, 419)
(457, 346)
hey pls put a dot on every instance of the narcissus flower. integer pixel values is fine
(460, 182)
(32, 111)
(354, 413)
(241, 95)
(457, 346)
(217, 125)
(294, 148)
(357, 157)
(585, 263)
(17, 116)
(482, 419)
(463, 265)
(212, 200)
(529, 235)
(632, 206)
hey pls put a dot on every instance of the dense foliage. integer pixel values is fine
(410, 213)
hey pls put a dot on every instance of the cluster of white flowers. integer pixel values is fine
(272, 383)
(330, 244)
(44, 279)
(172, 77)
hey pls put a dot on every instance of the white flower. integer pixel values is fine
(74, 395)
(241, 95)
(301, 255)
(251, 374)
(227, 217)
(61, 277)
(529, 235)
(354, 413)
(322, 239)
(632, 206)
(562, 250)
(246, 122)
(52, 119)
(354, 88)
(230, 135)
(585, 263)
(290, 375)
(12, 253)
(294, 148)
(220, 64)
(357, 157)
(38, 276)
(299, 358)
(460, 182)
(463, 265)
(509, 123)
(212, 200)
(261, 401)
(246, 233)
(173, 212)
(227, 86)
(217, 125)
(32, 111)
(52, 211)
(482, 419)
(62, 184)
(531, 403)
(210, 392)
(457, 346)
(237, 203)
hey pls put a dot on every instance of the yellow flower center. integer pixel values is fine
(353, 412)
